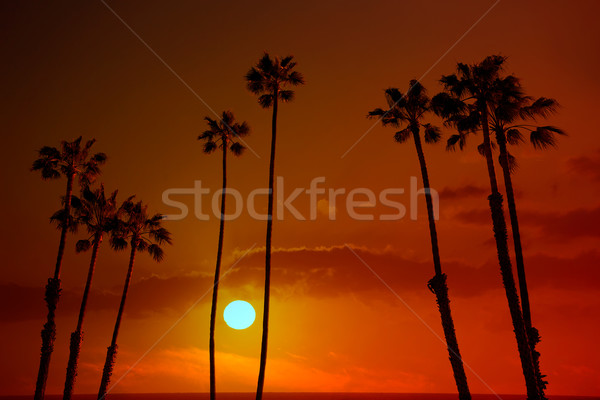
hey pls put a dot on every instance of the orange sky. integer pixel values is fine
(74, 69)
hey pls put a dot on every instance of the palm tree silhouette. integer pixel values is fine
(145, 234)
(222, 134)
(512, 113)
(98, 213)
(408, 110)
(71, 161)
(269, 80)
(465, 104)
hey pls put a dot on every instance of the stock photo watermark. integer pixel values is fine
(357, 203)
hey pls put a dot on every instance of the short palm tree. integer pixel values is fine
(72, 161)
(270, 80)
(406, 111)
(465, 104)
(98, 213)
(143, 233)
(221, 134)
(513, 113)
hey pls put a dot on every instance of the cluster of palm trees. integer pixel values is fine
(125, 223)
(480, 97)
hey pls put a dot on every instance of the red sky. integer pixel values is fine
(73, 69)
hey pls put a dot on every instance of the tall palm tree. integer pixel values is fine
(72, 161)
(145, 234)
(407, 111)
(512, 113)
(465, 104)
(223, 134)
(269, 80)
(98, 213)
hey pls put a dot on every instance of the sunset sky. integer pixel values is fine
(75, 68)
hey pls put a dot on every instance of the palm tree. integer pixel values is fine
(98, 213)
(71, 161)
(509, 116)
(465, 104)
(223, 134)
(408, 110)
(269, 80)
(145, 234)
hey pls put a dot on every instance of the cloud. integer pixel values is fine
(586, 165)
(461, 192)
(553, 226)
(320, 272)
(238, 373)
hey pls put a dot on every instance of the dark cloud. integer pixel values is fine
(314, 272)
(461, 192)
(588, 166)
(572, 225)
(552, 226)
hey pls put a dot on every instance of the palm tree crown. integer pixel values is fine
(407, 109)
(72, 159)
(97, 212)
(137, 228)
(223, 133)
(270, 78)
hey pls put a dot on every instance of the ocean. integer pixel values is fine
(298, 396)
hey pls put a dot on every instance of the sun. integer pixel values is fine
(239, 314)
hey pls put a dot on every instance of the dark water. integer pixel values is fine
(298, 396)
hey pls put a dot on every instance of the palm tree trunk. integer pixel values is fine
(532, 333)
(111, 353)
(213, 308)
(52, 296)
(438, 284)
(508, 280)
(267, 295)
(77, 335)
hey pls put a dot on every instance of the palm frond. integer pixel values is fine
(445, 105)
(118, 242)
(544, 136)
(295, 78)
(403, 135)
(266, 100)
(209, 146)
(156, 252)
(514, 136)
(432, 133)
(83, 245)
(237, 148)
(513, 165)
(456, 140)
(286, 95)
(378, 112)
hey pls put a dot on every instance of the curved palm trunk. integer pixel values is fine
(267, 295)
(532, 333)
(508, 280)
(77, 335)
(213, 309)
(111, 353)
(51, 297)
(438, 285)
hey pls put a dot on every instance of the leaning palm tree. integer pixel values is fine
(269, 80)
(223, 134)
(71, 161)
(145, 234)
(407, 111)
(98, 213)
(465, 104)
(513, 113)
